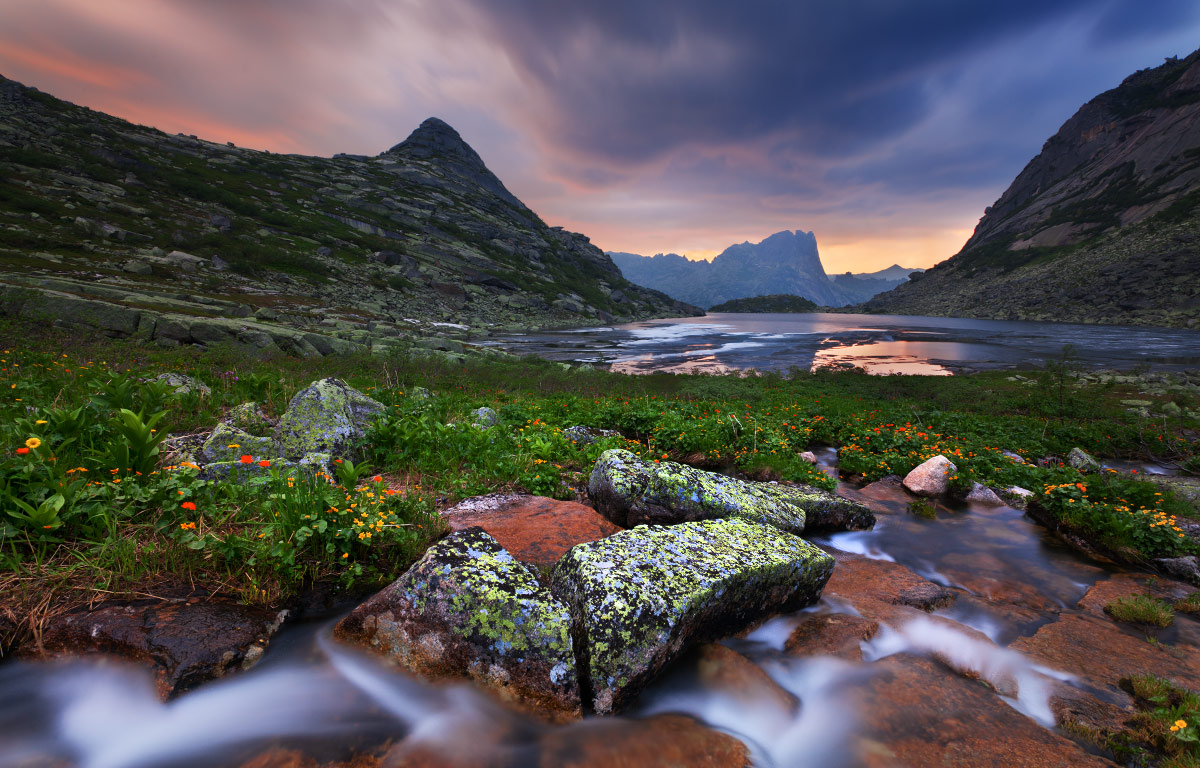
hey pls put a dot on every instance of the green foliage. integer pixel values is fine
(1141, 609)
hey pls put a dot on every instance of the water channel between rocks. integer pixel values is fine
(936, 677)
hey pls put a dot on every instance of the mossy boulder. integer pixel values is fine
(228, 443)
(183, 385)
(469, 610)
(640, 597)
(327, 416)
(1083, 461)
(485, 417)
(630, 491)
(250, 418)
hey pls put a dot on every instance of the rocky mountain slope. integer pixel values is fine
(1102, 226)
(118, 226)
(785, 262)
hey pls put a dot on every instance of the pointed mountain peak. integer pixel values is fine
(435, 140)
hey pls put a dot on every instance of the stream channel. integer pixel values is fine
(910, 658)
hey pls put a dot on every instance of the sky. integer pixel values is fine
(884, 126)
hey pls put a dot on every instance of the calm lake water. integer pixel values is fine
(882, 344)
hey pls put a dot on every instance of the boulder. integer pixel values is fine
(981, 494)
(228, 443)
(184, 384)
(327, 416)
(186, 261)
(640, 597)
(250, 418)
(587, 435)
(631, 491)
(1186, 568)
(1083, 461)
(931, 478)
(485, 417)
(809, 456)
(468, 610)
(534, 529)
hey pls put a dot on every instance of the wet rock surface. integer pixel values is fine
(641, 596)
(922, 714)
(831, 634)
(469, 610)
(631, 491)
(534, 529)
(185, 643)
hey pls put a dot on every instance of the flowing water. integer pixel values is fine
(719, 343)
(311, 693)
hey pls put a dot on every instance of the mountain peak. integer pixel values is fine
(435, 139)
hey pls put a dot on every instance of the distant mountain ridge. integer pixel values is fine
(125, 229)
(1101, 226)
(786, 262)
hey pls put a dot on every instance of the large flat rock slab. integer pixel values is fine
(469, 610)
(534, 529)
(631, 491)
(641, 596)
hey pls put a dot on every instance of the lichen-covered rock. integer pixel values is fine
(228, 443)
(587, 435)
(249, 417)
(327, 416)
(485, 417)
(468, 609)
(184, 384)
(631, 491)
(1083, 461)
(640, 597)
(930, 478)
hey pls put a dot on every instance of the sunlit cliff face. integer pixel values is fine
(671, 127)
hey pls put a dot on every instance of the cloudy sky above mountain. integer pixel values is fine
(678, 125)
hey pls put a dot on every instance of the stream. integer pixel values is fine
(312, 694)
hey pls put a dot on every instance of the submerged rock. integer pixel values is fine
(468, 609)
(640, 597)
(631, 491)
(327, 416)
(184, 643)
(1083, 461)
(931, 478)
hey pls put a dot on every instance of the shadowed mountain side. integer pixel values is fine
(1102, 226)
(124, 228)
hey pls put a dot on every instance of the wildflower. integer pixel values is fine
(32, 443)
(345, 555)
(264, 463)
(246, 459)
(377, 479)
(22, 451)
(189, 505)
(233, 445)
(41, 421)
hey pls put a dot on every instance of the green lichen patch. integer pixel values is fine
(249, 417)
(469, 609)
(632, 491)
(228, 444)
(327, 416)
(641, 596)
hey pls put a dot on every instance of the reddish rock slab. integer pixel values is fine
(1124, 585)
(720, 668)
(534, 529)
(918, 713)
(184, 643)
(857, 579)
(1099, 652)
(661, 741)
(831, 634)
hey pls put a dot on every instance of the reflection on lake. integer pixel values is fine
(883, 344)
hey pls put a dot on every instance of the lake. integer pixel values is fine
(881, 344)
